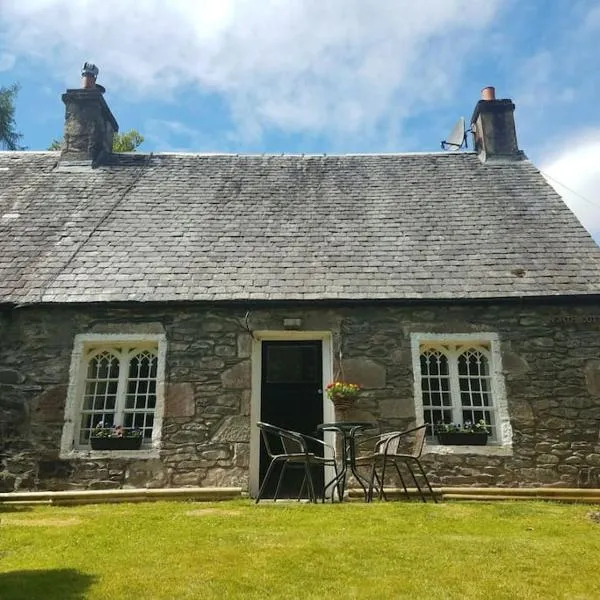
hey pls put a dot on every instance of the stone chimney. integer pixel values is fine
(89, 124)
(493, 127)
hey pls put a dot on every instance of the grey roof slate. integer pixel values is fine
(184, 227)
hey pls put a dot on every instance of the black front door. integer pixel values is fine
(292, 398)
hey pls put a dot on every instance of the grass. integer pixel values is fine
(238, 550)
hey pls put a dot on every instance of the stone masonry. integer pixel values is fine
(551, 363)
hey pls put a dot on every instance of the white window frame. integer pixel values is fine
(77, 377)
(502, 445)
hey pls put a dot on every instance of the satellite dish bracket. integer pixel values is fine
(457, 140)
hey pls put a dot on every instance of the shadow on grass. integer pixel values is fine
(53, 584)
(6, 508)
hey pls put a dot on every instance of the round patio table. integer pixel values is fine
(347, 431)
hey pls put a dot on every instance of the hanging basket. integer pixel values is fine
(343, 402)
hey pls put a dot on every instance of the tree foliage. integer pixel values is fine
(127, 142)
(9, 137)
(122, 142)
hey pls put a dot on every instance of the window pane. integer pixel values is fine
(291, 363)
(474, 379)
(431, 417)
(98, 403)
(435, 386)
(140, 399)
(474, 416)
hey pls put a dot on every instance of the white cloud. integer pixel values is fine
(592, 19)
(575, 174)
(337, 66)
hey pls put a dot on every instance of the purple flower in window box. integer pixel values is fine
(467, 434)
(115, 438)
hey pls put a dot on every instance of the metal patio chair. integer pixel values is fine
(292, 449)
(393, 449)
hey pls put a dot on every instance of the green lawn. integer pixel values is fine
(353, 550)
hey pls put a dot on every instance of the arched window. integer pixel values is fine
(119, 388)
(456, 385)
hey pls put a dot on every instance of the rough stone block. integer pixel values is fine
(242, 455)
(514, 364)
(521, 412)
(245, 403)
(186, 479)
(234, 429)
(244, 345)
(593, 459)
(146, 473)
(50, 405)
(186, 437)
(180, 400)
(225, 351)
(125, 327)
(592, 377)
(215, 454)
(397, 408)
(547, 459)
(226, 477)
(237, 377)
(50, 469)
(364, 371)
(11, 376)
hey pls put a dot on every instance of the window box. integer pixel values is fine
(115, 443)
(452, 438)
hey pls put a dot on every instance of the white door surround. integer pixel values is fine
(255, 402)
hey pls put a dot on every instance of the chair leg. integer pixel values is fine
(311, 486)
(301, 488)
(402, 480)
(426, 479)
(375, 478)
(372, 483)
(335, 483)
(315, 494)
(381, 492)
(264, 483)
(416, 481)
(279, 481)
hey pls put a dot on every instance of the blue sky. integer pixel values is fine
(334, 76)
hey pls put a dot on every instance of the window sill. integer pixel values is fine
(487, 450)
(143, 454)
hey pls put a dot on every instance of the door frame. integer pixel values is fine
(255, 399)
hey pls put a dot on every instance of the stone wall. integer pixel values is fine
(550, 353)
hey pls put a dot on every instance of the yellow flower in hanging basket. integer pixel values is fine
(342, 394)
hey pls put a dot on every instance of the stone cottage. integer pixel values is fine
(191, 295)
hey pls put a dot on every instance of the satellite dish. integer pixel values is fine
(457, 138)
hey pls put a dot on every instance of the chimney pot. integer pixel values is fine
(488, 93)
(88, 82)
(89, 72)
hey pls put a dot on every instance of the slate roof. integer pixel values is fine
(225, 227)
